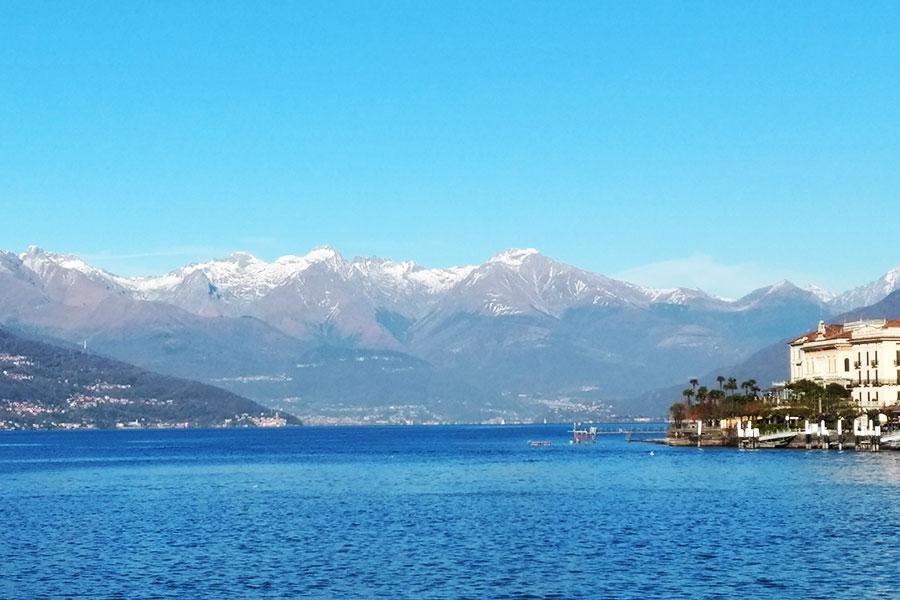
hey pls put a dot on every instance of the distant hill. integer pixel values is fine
(45, 385)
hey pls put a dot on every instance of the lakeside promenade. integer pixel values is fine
(861, 434)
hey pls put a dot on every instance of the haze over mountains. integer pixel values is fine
(520, 336)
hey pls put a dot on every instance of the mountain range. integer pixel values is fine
(337, 340)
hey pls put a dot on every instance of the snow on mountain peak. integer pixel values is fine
(9, 261)
(891, 279)
(672, 295)
(292, 264)
(400, 274)
(323, 254)
(40, 261)
(539, 282)
(439, 280)
(821, 293)
(514, 257)
(243, 258)
(869, 293)
(784, 284)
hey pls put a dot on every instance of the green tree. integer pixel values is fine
(702, 394)
(731, 385)
(837, 402)
(809, 395)
(749, 388)
(687, 393)
(678, 411)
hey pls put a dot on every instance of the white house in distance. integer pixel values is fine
(862, 355)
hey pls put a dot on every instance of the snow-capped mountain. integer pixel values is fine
(324, 283)
(523, 281)
(404, 287)
(683, 296)
(68, 278)
(48, 264)
(247, 278)
(19, 287)
(233, 285)
(779, 293)
(319, 293)
(870, 293)
(242, 275)
(519, 323)
(373, 302)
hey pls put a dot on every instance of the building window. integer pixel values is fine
(847, 365)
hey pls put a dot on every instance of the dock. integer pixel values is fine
(866, 435)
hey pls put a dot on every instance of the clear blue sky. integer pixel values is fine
(715, 143)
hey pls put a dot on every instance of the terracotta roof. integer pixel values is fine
(833, 331)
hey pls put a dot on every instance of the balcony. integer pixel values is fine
(875, 383)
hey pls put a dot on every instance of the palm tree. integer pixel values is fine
(702, 394)
(694, 381)
(688, 393)
(731, 384)
(751, 387)
(721, 380)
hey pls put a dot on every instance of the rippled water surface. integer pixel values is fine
(437, 512)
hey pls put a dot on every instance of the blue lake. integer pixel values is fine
(437, 512)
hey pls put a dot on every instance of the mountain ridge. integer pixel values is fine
(516, 331)
(247, 276)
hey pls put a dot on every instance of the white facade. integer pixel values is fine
(862, 355)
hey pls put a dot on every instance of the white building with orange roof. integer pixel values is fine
(861, 355)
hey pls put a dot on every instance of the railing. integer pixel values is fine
(875, 383)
